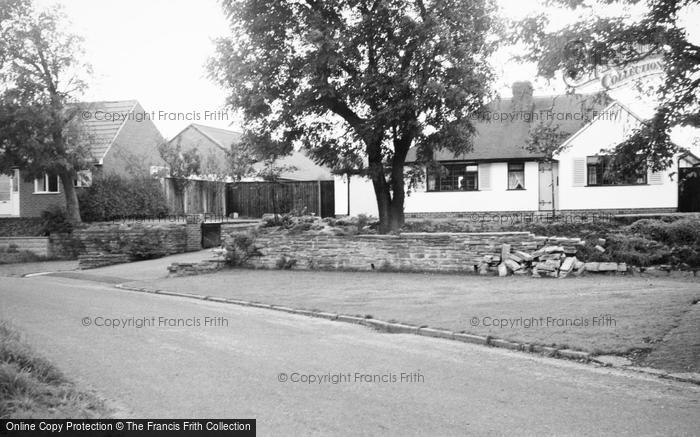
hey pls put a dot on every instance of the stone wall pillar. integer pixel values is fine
(193, 230)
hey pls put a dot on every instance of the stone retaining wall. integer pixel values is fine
(426, 252)
(112, 243)
(37, 245)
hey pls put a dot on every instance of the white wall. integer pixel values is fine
(496, 198)
(362, 199)
(602, 134)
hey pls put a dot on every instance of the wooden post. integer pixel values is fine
(318, 187)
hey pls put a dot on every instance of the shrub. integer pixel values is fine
(638, 251)
(241, 249)
(680, 232)
(285, 263)
(147, 246)
(112, 197)
(684, 232)
(55, 220)
(650, 228)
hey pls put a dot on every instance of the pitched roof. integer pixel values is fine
(506, 128)
(221, 137)
(306, 168)
(102, 125)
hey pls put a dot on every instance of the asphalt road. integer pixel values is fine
(233, 370)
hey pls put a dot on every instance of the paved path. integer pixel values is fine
(232, 371)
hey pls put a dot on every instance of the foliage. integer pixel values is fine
(356, 80)
(182, 164)
(683, 232)
(21, 227)
(285, 263)
(146, 246)
(619, 40)
(54, 220)
(31, 386)
(631, 249)
(241, 249)
(40, 130)
(114, 197)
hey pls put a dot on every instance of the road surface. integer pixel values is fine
(233, 368)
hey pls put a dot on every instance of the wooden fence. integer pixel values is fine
(198, 197)
(253, 199)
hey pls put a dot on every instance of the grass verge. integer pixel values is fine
(631, 312)
(31, 387)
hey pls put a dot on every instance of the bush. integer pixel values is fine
(680, 232)
(638, 251)
(112, 197)
(55, 220)
(285, 263)
(148, 246)
(241, 249)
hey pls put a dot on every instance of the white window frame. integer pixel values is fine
(44, 183)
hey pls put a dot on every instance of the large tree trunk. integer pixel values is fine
(72, 206)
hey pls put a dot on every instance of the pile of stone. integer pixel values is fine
(191, 269)
(556, 261)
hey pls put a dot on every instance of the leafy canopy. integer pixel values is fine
(620, 40)
(352, 78)
(39, 75)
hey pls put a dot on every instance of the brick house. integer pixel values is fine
(123, 140)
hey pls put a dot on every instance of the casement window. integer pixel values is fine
(83, 179)
(516, 175)
(454, 177)
(599, 172)
(46, 184)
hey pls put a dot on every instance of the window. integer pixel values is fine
(599, 171)
(516, 175)
(83, 179)
(454, 177)
(46, 184)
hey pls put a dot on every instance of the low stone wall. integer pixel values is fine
(426, 252)
(112, 243)
(38, 245)
(191, 269)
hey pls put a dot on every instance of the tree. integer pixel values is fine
(39, 128)
(182, 165)
(374, 77)
(618, 41)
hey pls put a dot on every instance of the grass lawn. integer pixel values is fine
(32, 388)
(641, 310)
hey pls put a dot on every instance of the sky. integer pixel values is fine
(155, 51)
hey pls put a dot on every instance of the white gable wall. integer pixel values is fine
(604, 133)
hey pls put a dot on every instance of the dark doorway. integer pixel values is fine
(689, 189)
(211, 235)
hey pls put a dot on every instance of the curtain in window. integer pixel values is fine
(515, 181)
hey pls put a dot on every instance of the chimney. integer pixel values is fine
(522, 96)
